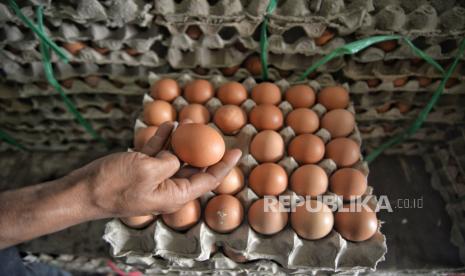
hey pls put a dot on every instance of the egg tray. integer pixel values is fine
(364, 17)
(447, 168)
(34, 71)
(391, 71)
(227, 57)
(62, 135)
(195, 249)
(20, 37)
(88, 55)
(411, 87)
(116, 13)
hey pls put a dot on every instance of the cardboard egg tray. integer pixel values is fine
(446, 164)
(200, 248)
(365, 17)
(113, 14)
(293, 27)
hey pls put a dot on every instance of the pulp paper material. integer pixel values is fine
(389, 72)
(201, 249)
(230, 10)
(446, 164)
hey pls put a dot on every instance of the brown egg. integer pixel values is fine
(400, 81)
(158, 112)
(194, 32)
(67, 83)
(198, 91)
(416, 61)
(313, 222)
(253, 65)
(201, 71)
(138, 222)
(373, 82)
(224, 213)
(334, 97)
(184, 218)
(196, 112)
(230, 118)
(232, 93)
(424, 81)
(92, 80)
(300, 95)
(230, 71)
(198, 145)
(384, 108)
(307, 149)
(339, 122)
(309, 180)
(349, 183)
(132, 51)
(268, 179)
(403, 107)
(266, 116)
(344, 151)
(303, 120)
(357, 225)
(387, 46)
(324, 38)
(143, 135)
(102, 50)
(165, 89)
(267, 221)
(266, 93)
(267, 146)
(74, 47)
(232, 183)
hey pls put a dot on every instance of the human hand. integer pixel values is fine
(148, 182)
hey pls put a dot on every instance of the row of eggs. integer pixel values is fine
(312, 220)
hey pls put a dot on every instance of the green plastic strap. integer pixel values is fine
(44, 49)
(264, 39)
(10, 140)
(357, 46)
(38, 31)
(423, 114)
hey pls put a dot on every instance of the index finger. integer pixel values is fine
(158, 141)
(203, 182)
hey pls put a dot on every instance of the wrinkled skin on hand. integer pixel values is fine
(149, 182)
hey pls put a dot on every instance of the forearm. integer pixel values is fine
(41, 209)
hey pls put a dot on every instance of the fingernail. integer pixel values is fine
(237, 155)
(186, 121)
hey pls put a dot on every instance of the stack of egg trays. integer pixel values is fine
(34, 115)
(385, 109)
(228, 32)
(446, 164)
(197, 249)
(296, 24)
(37, 117)
(20, 45)
(216, 29)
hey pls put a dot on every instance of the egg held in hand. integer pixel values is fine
(198, 145)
